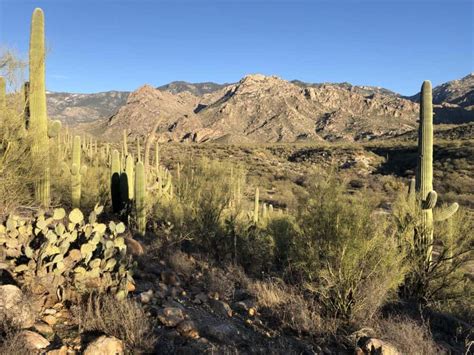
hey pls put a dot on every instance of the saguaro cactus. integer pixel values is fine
(38, 120)
(115, 170)
(425, 194)
(3, 100)
(140, 195)
(129, 170)
(76, 172)
(256, 205)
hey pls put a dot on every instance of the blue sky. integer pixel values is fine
(119, 45)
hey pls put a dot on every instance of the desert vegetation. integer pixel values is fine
(140, 246)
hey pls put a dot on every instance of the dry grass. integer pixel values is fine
(407, 336)
(11, 342)
(290, 307)
(125, 320)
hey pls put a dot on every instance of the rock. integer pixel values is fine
(170, 278)
(130, 286)
(50, 319)
(222, 332)
(377, 346)
(220, 307)
(171, 316)
(44, 329)
(32, 340)
(134, 247)
(200, 298)
(105, 345)
(50, 311)
(145, 297)
(188, 329)
(246, 307)
(14, 306)
(63, 350)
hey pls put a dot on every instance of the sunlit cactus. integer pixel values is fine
(424, 177)
(256, 205)
(38, 124)
(76, 176)
(140, 196)
(129, 170)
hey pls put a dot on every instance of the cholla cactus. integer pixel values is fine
(423, 191)
(72, 257)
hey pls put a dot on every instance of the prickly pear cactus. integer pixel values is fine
(63, 256)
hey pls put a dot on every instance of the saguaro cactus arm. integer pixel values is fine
(443, 213)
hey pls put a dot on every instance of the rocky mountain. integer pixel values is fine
(363, 90)
(265, 109)
(198, 89)
(74, 109)
(454, 101)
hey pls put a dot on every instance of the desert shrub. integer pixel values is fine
(343, 252)
(288, 305)
(17, 171)
(408, 336)
(125, 320)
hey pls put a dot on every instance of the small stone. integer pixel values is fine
(13, 306)
(170, 278)
(171, 316)
(377, 346)
(220, 307)
(188, 329)
(105, 345)
(134, 247)
(49, 319)
(145, 297)
(50, 311)
(63, 350)
(32, 340)
(200, 298)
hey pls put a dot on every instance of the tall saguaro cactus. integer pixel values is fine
(140, 191)
(256, 206)
(38, 120)
(115, 170)
(424, 178)
(3, 100)
(76, 173)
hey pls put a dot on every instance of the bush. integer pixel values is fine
(125, 320)
(343, 252)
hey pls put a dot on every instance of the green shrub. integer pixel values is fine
(343, 252)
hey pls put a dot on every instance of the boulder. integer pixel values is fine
(15, 307)
(188, 329)
(105, 345)
(221, 308)
(32, 340)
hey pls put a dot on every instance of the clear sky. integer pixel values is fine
(119, 45)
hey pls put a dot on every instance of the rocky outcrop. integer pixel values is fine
(264, 109)
(15, 307)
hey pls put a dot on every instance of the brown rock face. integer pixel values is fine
(264, 109)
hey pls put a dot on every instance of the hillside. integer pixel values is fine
(265, 109)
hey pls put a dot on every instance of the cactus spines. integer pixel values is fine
(115, 171)
(76, 178)
(256, 205)
(140, 191)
